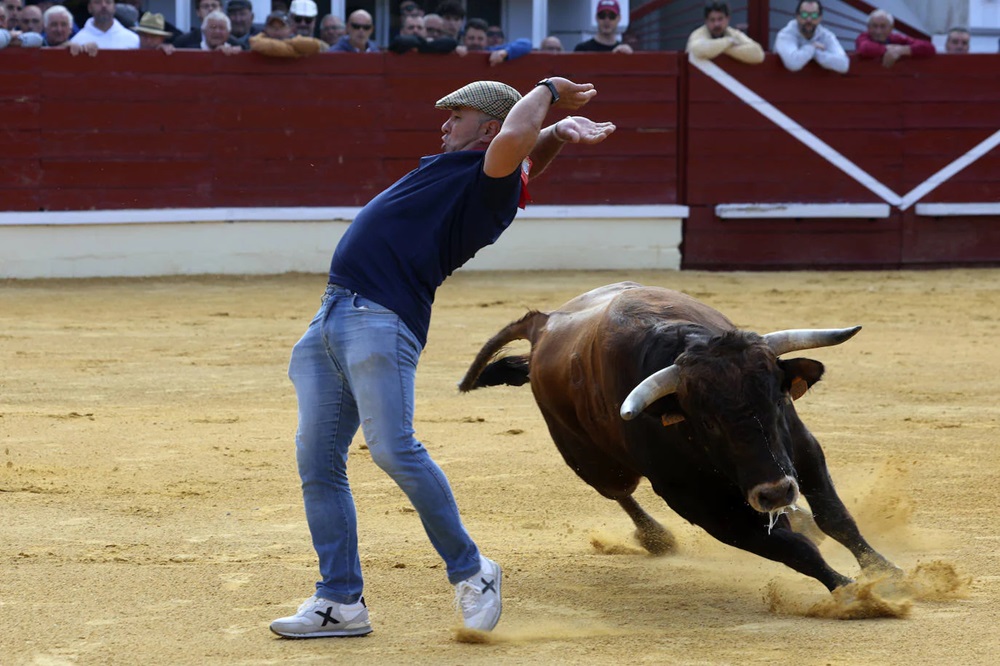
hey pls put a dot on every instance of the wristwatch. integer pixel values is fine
(552, 89)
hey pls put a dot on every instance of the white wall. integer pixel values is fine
(272, 241)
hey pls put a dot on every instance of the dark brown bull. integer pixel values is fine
(638, 381)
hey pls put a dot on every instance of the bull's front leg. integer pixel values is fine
(829, 511)
(732, 521)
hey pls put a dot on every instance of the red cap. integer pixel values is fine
(608, 5)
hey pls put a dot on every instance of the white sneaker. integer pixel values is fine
(478, 597)
(318, 618)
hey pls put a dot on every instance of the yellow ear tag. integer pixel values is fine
(671, 419)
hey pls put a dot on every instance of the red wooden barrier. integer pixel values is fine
(901, 126)
(144, 130)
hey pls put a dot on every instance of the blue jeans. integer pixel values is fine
(356, 365)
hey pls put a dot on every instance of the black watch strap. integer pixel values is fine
(552, 89)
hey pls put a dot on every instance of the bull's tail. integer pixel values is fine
(509, 370)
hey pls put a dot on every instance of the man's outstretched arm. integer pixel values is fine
(522, 131)
(571, 129)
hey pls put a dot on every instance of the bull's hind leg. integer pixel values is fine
(605, 475)
(651, 535)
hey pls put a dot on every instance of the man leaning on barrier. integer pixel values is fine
(879, 42)
(717, 37)
(804, 39)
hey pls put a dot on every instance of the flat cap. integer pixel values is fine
(491, 97)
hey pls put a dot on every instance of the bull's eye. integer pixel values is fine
(710, 426)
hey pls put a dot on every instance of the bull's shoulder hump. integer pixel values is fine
(598, 297)
(666, 305)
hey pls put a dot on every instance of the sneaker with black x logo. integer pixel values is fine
(478, 597)
(319, 618)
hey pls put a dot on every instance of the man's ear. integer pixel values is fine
(490, 129)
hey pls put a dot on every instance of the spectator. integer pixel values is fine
(277, 26)
(551, 44)
(606, 40)
(957, 41)
(58, 24)
(881, 42)
(216, 34)
(331, 29)
(280, 6)
(280, 41)
(804, 39)
(303, 15)
(409, 8)
(12, 37)
(631, 38)
(13, 8)
(128, 12)
(434, 26)
(717, 37)
(31, 19)
(104, 30)
(413, 37)
(475, 39)
(413, 25)
(192, 39)
(240, 13)
(359, 29)
(452, 15)
(494, 36)
(153, 33)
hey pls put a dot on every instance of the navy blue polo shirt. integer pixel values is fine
(408, 239)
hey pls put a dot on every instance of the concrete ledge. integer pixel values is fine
(269, 241)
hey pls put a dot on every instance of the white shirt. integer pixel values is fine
(796, 51)
(116, 37)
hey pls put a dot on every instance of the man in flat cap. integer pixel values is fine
(356, 363)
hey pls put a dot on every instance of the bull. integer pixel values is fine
(636, 381)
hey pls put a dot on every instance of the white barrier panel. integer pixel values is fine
(800, 210)
(955, 209)
(272, 241)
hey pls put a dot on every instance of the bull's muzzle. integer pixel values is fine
(774, 495)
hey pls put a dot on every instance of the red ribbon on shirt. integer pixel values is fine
(525, 198)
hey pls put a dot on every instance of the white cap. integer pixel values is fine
(305, 8)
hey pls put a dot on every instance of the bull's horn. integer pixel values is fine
(652, 388)
(782, 342)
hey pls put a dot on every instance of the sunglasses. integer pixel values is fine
(303, 19)
(494, 33)
(607, 15)
(361, 26)
(809, 15)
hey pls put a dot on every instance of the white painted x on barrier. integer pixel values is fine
(827, 152)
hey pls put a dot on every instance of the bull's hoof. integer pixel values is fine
(878, 565)
(885, 568)
(656, 540)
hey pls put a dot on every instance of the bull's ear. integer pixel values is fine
(800, 375)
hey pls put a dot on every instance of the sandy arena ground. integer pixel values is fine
(150, 510)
